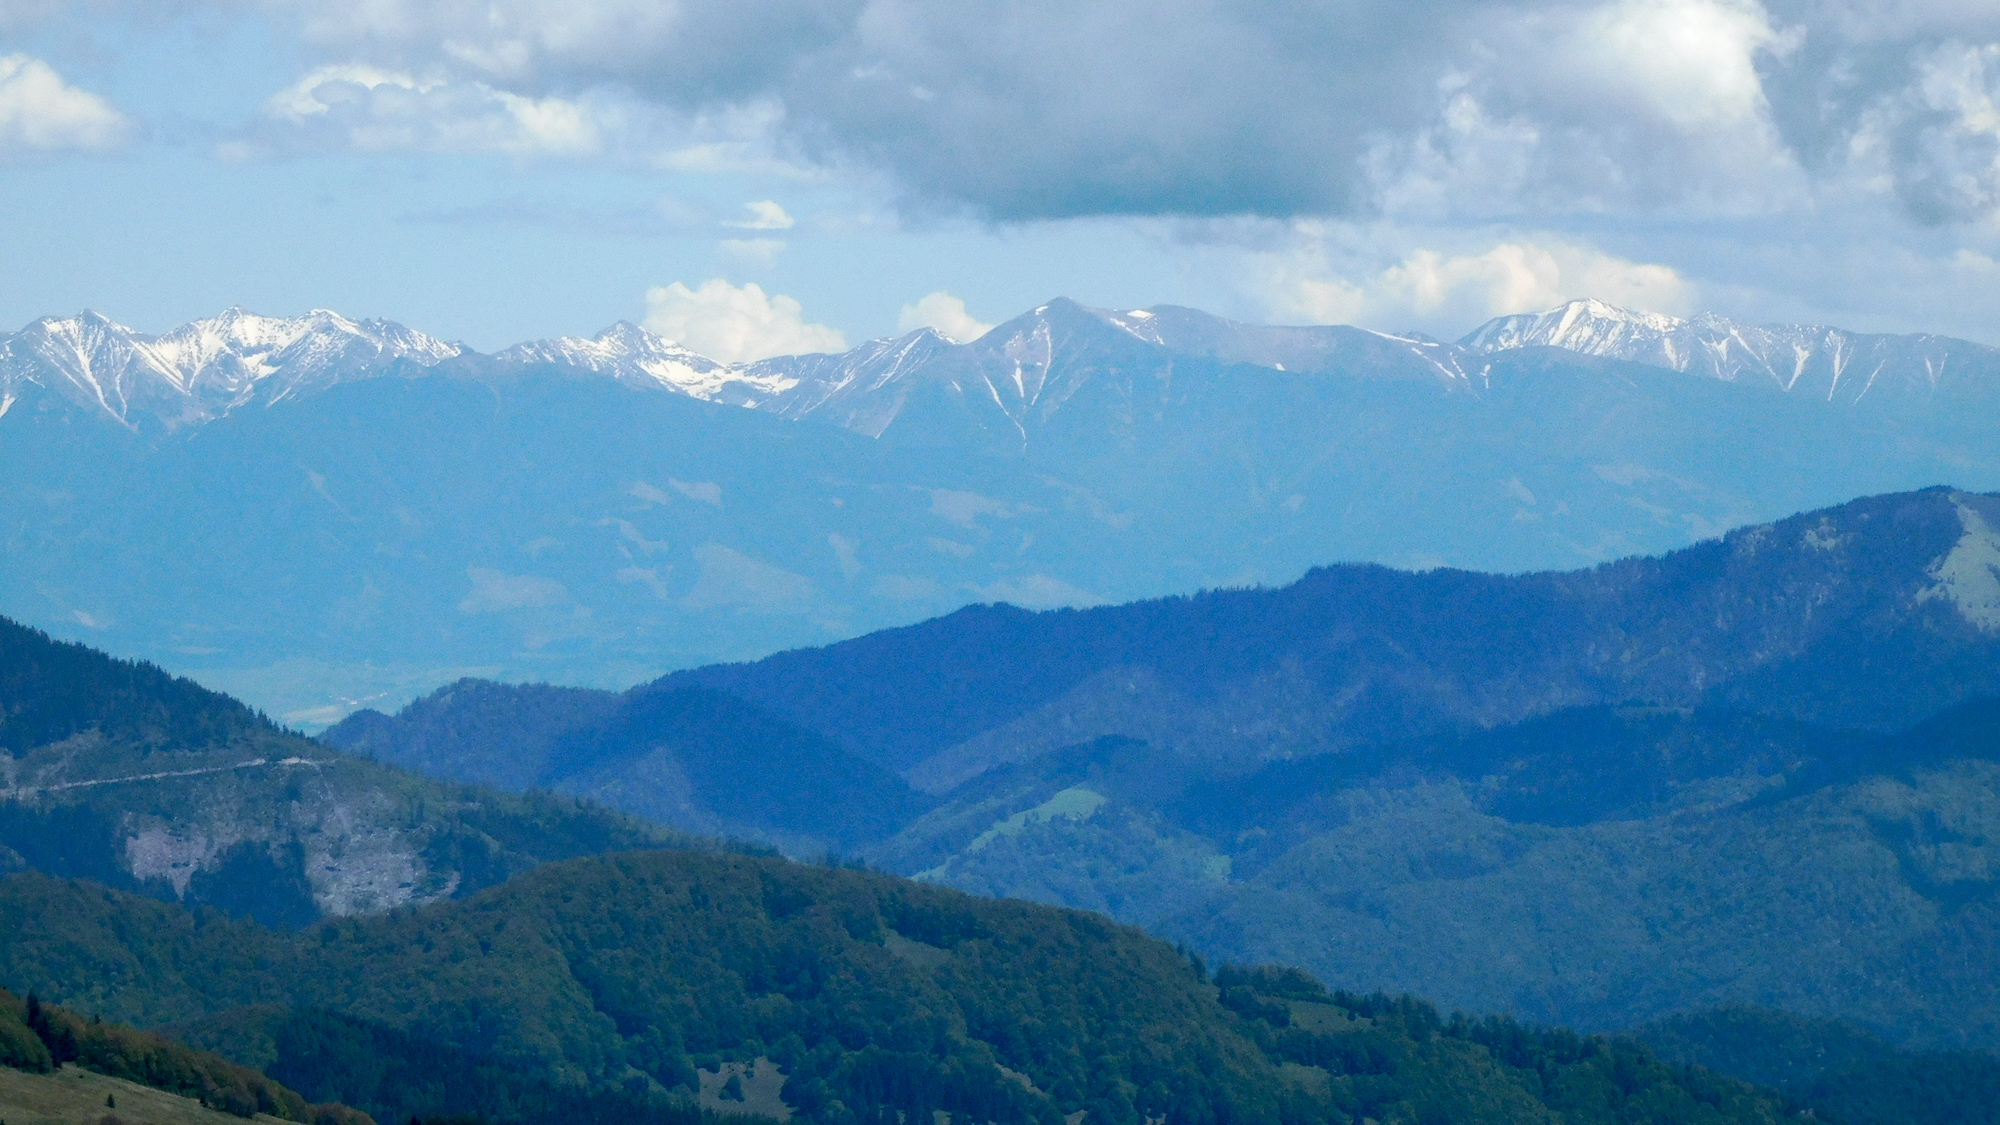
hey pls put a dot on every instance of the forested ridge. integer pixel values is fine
(876, 998)
(116, 771)
(51, 690)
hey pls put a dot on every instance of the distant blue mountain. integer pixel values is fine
(320, 513)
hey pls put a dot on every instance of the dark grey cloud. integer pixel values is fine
(1901, 90)
(1028, 109)
(1012, 108)
(1038, 109)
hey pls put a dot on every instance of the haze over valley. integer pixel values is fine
(393, 512)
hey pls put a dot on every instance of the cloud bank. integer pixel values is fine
(945, 313)
(40, 112)
(735, 325)
(1445, 293)
(1028, 109)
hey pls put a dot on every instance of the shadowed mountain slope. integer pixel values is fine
(1873, 614)
(1759, 770)
(697, 760)
(1839, 1071)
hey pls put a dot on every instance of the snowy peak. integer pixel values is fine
(639, 358)
(240, 357)
(1588, 326)
(205, 368)
(94, 362)
(1303, 349)
(1831, 364)
(862, 389)
(1058, 357)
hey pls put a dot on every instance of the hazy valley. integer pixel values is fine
(389, 512)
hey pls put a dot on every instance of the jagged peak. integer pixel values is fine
(1584, 318)
(88, 318)
(1604, 310)
(627, 330)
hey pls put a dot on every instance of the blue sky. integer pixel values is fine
(508, 169)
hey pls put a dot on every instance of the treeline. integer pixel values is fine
(40, 1037)
(1385, 1053)
(1839, 1072)
(54, 689)
(404, 1077)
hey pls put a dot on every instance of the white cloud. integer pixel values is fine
(944, 312)
(373, 109)
(1936, 143)
(1618, 106)
(735, 325)
(39, 111)
(1023, 109)
(495, 591)
(1689, 63)
(1037, 591)
(706, 491)
(1448, 294)
(765, 214)
(753, 249)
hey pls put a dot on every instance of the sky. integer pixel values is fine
(802, 175)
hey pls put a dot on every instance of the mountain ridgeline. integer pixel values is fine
(1761, 770)
(395, 513)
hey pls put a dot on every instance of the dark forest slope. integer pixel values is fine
(875, 997)
(1873, 614)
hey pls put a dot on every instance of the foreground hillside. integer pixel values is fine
(55, 1066)
(873, 997)
(1755, 771)
(118, 772)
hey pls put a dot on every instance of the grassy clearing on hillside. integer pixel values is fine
(74, 1096)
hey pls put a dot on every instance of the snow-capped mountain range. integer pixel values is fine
(1026, 369)
(332, 509)
(204, 369)
(1805, 360)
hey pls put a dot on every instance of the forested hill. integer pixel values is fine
(118, 772)
(697, 760)
(1876, 614)
(50, 690)
(830, 995)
